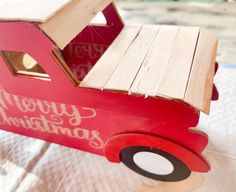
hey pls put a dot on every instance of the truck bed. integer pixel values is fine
(173, 62)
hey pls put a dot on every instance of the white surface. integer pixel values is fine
(29, 165)
(30, 10)
(148, 161)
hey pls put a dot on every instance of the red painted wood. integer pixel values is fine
(115, 145)
(215, 94)
(60, 112)
(82, 53)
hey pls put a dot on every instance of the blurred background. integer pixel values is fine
(218, 16)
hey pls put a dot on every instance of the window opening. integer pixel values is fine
(23, 64)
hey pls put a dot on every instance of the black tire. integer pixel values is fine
(180, 170)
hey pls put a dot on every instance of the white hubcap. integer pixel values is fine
(153, 163)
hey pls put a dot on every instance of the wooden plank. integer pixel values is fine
(150, 74)
(70, 21)
(124, 75)
(104, 68)
(194, 181)
(199, 90)
(176, 74)
(33, 10)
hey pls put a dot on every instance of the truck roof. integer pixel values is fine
(30, 10)
(61, 20)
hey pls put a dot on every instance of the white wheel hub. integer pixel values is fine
(153, 163)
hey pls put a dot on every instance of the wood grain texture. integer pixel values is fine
(200, 85)
(150, 74)
(104, 68)
(71, 20)
(33, 10)
(172, 62)
(129, 65)
(175, 77)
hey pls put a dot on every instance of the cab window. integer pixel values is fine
(24, 65)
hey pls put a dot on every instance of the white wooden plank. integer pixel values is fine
(150, 74)
(30, 10)
(104, 68)
(70, 21)
(175, 77)
(199, 90)
(124, 75)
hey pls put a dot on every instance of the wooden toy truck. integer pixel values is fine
(130, 93)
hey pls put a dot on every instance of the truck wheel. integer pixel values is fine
(154, 163)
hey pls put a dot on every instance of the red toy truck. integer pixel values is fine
(129, 93)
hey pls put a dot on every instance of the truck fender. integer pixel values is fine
(115, 145)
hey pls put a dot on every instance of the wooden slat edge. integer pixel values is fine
(67, 23)
(103, 69)
(200, 85)
(176, 75)
(58, 10)
(38, 19)
(125, 73)
(150, 74)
